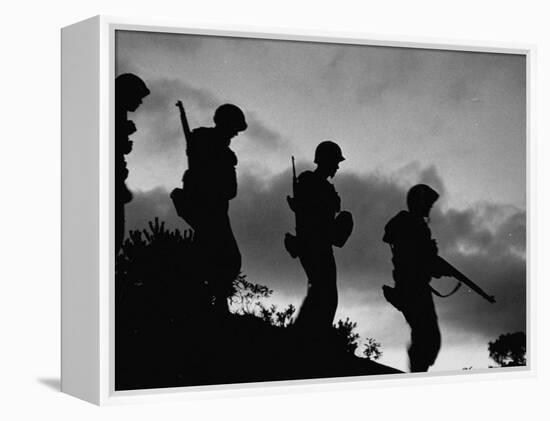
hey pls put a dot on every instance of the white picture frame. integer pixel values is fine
(88, 211)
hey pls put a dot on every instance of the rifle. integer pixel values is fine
(184, 125)
(294, 179)
(180, 197)
(291, 242)
(450, 270)
(292, 200)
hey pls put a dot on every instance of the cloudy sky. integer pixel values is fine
(454, 120)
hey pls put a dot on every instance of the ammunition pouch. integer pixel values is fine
(184, 202)
(343, 226)
(292, 245)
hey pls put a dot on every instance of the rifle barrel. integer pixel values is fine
(459, 276)
(294, 180)
(184, 122)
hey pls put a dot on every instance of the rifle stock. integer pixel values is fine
(459, 276)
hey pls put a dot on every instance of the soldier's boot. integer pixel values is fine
(418, 359)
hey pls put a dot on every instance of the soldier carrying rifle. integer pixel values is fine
(320, 224)
(416, 261)
(209, 183)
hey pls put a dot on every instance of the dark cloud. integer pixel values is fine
(159, 116)
(487, 243)
(159, 127)
(165, 92)
(264, 136)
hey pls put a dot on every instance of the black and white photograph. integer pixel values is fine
(296, 210)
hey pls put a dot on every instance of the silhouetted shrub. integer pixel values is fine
(372, 349)
(346, 335)
(508, 350)
(246, 296)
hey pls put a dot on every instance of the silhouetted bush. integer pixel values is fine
(247, 297)
(372, 349)
(345, 333)
(508, 350)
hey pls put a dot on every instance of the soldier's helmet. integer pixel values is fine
(421, 195)
(328, 152)
(130, 84)
(230, 116)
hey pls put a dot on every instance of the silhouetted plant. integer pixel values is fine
(349, 339)
(372, 349)
(345, 333)
(247, 295)
(155, 271)
(277, 318)
(158, 245)
(508, 350)
(284, 318)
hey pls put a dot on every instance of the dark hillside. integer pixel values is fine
(168, 335)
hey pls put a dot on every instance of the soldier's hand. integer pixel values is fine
(440, 268)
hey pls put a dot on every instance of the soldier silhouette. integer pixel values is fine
(415, 261)
(210, 182)
(129, 92)
(320, 224)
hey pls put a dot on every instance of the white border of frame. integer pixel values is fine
(107, 395)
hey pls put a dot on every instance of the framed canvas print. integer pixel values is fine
(246, 209)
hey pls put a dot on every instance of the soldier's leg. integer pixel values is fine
(434, 340)
(425, 335)
(307, 314)
(319, 306)
(227, 264)
(426, 341)
(204, 240)
(416, 351)
(233, 255)
(329, 289)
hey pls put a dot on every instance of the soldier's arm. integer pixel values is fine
(222, 175)
(230, 187)
(337, 200)
(415, 246)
